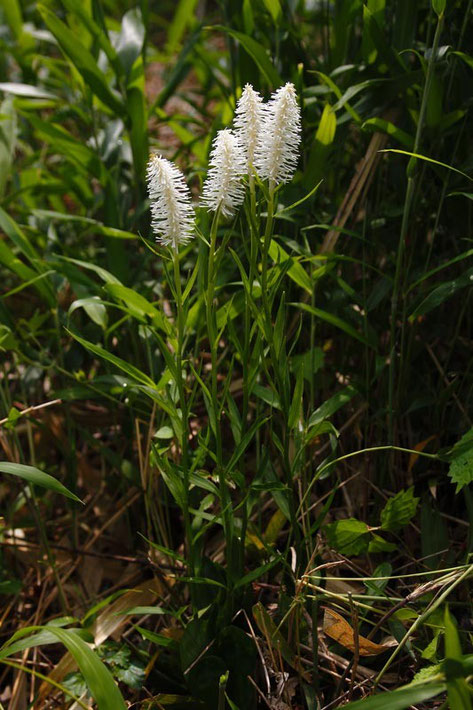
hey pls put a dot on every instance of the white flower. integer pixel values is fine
(278, 148)
(248, 119)
(171, 207)
(223, 188)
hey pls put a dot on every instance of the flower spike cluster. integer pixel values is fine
(249, 114)
(278, 147)
(223, 188)
(265, 139)
(171, 207)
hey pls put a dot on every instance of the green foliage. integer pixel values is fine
(461, 464)
(349, 536)
(399, 510)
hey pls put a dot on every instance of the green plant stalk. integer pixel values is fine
(252, 270)
(421, 619)
(212, 329)
(183, 404)
(267, 306)
(265, 254)
(403, 234)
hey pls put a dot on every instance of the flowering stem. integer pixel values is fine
(266, 244)
(246, 364)
(183, 402)
(213, 341)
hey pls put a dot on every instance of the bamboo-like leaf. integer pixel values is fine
(82, 60)
(39, 478)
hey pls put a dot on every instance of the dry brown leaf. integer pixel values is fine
(419, 447)
(340, 630)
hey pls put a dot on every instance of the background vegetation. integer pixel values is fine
(342, 486)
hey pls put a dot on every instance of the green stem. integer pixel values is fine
(252, 270)
(265, 254)
(404, 227)
(213, 342)
(183, 403)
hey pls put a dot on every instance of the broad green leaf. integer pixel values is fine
(274, 9)
(399, 510)
(461, 465)
(130, 370)
(256, 51)
(131, 38)
(94, 308)
(439, 6)
(82, 60)
(39, 478)
(138, 118)
(350, 536)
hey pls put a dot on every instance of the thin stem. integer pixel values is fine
(213, 342)
(403, 234)
(266, 244)
(183, 403)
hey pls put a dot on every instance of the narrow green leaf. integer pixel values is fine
(32, 92)
(256, 51)
(39, 478)
(296, 271)
(400, 699)
(82, 60)
(335, 321)
(130, 370)
(428, 160)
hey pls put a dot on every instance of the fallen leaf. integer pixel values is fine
(340, 630)
(419, 447)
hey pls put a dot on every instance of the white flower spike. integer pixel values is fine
(223, 188)
(249, 115)
(171, 206)
(278, 148)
